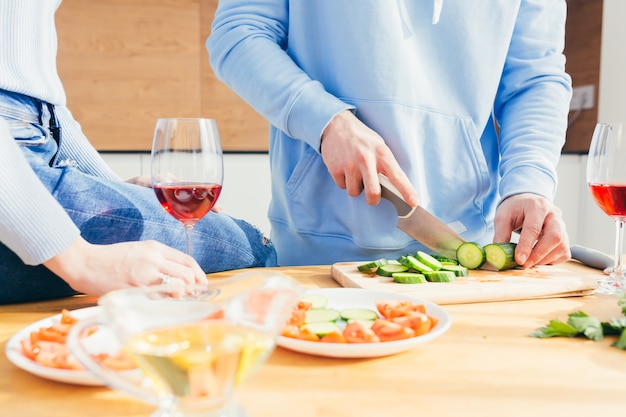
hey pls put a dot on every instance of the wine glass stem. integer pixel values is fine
(619, 243)
(189, 237)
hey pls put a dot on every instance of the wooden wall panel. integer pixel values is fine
(126, 63)
(583, 40)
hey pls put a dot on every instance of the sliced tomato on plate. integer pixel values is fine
(357, 332)
(398, 308)
(387, 330)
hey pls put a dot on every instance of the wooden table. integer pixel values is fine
(485, 365)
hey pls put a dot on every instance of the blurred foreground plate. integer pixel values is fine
(101, 341)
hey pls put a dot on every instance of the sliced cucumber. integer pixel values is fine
(444, 259)
(371, 266)
(321, 328)
(364, 314)
(389, 269)
(440, 276)
(459, 270)
(428, 260)
(471, 255)
(321, 314)
(316, 300)
(365, 323)
(501, 255)
(413, 263)
(409, 278)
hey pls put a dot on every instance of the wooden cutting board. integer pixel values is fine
(546, 281)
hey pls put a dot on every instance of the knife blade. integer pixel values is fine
(420, 224)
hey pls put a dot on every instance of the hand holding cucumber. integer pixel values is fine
(543, 239)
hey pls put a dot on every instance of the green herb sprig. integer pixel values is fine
(579, 324)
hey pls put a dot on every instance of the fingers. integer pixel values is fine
(543, 238)
(399, 179)
(354, 155)
(550, 247)
(183, 267)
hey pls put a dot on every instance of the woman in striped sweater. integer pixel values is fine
(68, 224)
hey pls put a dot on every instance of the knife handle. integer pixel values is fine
(591, 257)
(391, 193)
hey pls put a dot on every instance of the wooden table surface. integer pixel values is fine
(485, 365)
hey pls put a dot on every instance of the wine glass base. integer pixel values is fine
(233, 411)
(611, 286)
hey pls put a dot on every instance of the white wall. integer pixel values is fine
(246, 188)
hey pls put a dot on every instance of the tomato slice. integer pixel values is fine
(334, 337)
(420, 323)
(398, 308)
(388, 330)
(357, 332)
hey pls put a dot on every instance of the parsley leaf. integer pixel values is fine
(556, 328)
(589, 326)
(614, 327)
(581, 324)
(622, 303)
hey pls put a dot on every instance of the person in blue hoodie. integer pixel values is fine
(463, 104)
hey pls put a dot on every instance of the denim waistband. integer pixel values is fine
(20, 106)
(16, 108)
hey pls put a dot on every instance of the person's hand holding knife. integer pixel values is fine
(354, 155)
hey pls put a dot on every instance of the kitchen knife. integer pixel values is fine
(420, 224)
(591, 257)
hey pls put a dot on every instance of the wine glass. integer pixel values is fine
(187, 169)
(606, 177)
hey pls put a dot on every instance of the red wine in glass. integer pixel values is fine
(188, 203)
(611, 198)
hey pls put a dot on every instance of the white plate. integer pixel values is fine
(100, 342)
(340, 298)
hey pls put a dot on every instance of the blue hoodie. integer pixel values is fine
(431, 77)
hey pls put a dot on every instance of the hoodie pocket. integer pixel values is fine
(443, 158)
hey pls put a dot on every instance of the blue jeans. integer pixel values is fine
(107, 210)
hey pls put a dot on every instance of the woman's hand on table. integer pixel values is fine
(97, 269)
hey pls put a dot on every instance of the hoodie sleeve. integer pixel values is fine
(251, 35)
(532, 103)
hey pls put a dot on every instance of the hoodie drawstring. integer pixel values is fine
(437, 5)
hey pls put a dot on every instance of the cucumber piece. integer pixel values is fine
(321, 328)
(413, 263)
(444, 259)
(389, 269)
(365, 323)
(409, 278)
(371, 266)
(316, 300)
(321, 314)
(501, 255)
(363, 314)
(471, 255)
(459, 270)
(403, 261)
(440, 276)
(428, 260)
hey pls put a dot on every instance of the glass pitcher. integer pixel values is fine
(193, 345)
